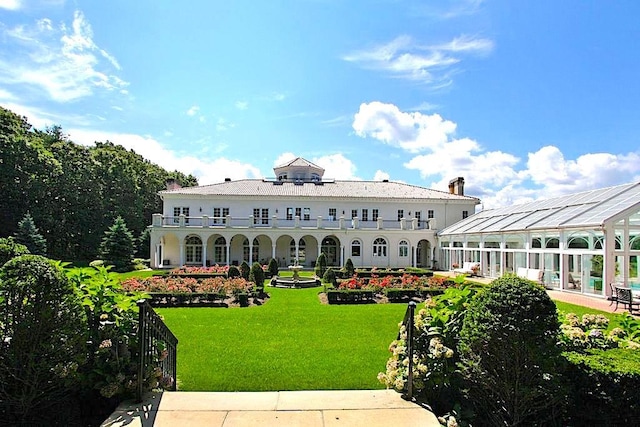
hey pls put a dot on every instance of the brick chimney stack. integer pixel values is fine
(456, 186)
(172, 184)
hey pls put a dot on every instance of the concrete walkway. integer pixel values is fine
(340, 408)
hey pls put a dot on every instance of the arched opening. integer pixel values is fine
(329, 248)
(193, 250)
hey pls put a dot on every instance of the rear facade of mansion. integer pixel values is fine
(299, 214)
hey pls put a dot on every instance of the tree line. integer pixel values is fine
(74, 193)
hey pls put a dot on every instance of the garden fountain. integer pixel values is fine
(295, 281)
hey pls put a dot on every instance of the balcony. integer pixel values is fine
(274, 222)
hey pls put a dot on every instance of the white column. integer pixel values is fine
(414, 254)
(181, 254)
(204, 253)
(228, 248)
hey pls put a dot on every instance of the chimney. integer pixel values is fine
(456, 186)
(172, 184)
(227, 180)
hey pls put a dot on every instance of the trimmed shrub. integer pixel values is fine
(348, 268)
(42, 340)
(273, 267)
(257, 275)
(603, 387)
(509, 356)
(245, 270)
(9, 249)
(321, 265)
(233, 272)
(330, 277)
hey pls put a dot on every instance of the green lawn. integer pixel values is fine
(579, 310)
(293, 342)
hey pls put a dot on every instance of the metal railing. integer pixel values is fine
(151, 331)
(407, 322)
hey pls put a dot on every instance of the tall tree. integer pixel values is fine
(29, 236)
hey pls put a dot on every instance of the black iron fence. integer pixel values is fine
(158, 350)
(407, 322)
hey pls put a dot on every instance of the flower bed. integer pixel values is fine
(177, 291)
(394, 288)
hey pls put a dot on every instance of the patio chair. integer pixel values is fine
(625, 297)
(575, 284)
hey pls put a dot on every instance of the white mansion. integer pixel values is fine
(299, 214)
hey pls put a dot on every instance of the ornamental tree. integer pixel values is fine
(29, 236)
(118, 246)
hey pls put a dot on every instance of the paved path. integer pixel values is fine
(340, 408)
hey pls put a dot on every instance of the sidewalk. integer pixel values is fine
(339, 408)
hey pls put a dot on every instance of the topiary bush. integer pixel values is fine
(273, 267)
(245, 270)
(257, 275)
(321, 265)
(509, 357)
(330, 277)
(349, 270)
(233, 272)
(42, 341)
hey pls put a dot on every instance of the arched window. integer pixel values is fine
(380, 247)
(254, 254)
(193, 250)
(302, 251)
(356, 246)
(220, 251)
(403, 248)
(578, 243)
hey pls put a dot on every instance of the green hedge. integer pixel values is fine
(350, 296)
(603, 387)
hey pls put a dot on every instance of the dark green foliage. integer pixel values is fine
(245, 270)
(330, 277)
(273, 267)
(257, 274)
(321, 265)
(603, 387)
(348, 268)
(74, 191)
(509, 357)
(29, 236)
(42, 340)
(233, 272)
(144, 244)
(10, 249)
(118, 246)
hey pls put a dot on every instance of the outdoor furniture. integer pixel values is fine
(575, 283)
(470, 268)
(625, 297)
(533, 274)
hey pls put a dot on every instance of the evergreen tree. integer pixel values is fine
(118, 246)
(29, 236)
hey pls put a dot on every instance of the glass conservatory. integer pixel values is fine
(580, 243)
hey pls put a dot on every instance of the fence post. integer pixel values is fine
(409, 326)
(142, 337)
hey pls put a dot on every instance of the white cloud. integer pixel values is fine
(404, 58)
(64, 62)
(498, 178)
(224, 124)
(380, 175)
(207, 170)
(10, 4)
(193, 111)
(242, 105)
(284, 158)
(40, 119)
(413, 132)
(337, 166)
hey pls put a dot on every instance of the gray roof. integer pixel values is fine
(581, 210)
(335, 189)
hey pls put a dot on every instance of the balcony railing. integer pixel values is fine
(295, 223)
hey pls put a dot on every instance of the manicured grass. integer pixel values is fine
(293, 342)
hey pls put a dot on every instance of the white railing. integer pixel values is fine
(283, 223)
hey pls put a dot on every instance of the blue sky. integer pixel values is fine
(523, 99)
